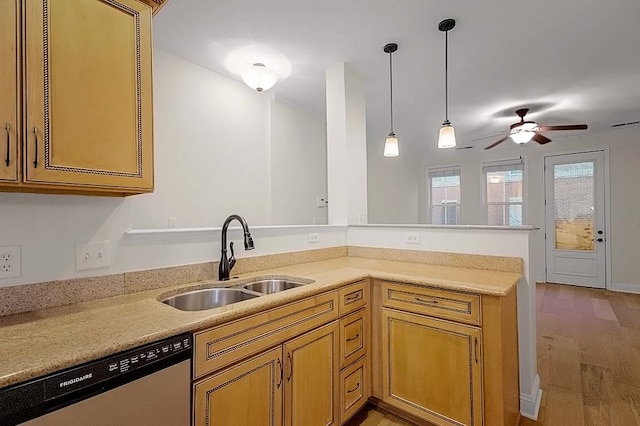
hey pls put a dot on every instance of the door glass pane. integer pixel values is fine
(573, 186)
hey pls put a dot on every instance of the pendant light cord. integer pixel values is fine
(391, 87)
(446, 76)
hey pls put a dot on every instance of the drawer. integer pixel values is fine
(228, 343)
(354, 337)
(448, 304)
(354, 389)
(353, 297)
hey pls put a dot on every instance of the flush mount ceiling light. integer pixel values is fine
(259, 77)
(447, 137)
(391, 144)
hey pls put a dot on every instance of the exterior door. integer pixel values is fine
(575, 219)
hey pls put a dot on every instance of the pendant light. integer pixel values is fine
(391, 144)
(447, 137)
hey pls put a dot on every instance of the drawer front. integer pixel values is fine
(353, 337)
(448, 304)
(354, 385)
(223, 345)
(353, 297)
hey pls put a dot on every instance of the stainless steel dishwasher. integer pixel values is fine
(148, 385)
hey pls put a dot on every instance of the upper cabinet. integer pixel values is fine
(155, 4)
(9, 92)
(86, 89)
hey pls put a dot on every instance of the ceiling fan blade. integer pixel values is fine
(567, 127)
(540, 138)
(499, 141)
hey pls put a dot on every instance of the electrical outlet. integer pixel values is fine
(321, 201)
(412, 238)
(10, 262)
(313, 237)
(172, 221)
(93, 255)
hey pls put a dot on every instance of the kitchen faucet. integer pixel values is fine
(225, 266)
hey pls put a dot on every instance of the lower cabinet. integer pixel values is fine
(432, 368)
(311, 381)
(296, 382)
(249, 393)
(446, 356)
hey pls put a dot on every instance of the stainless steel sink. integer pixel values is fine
(208, 298)
(270, 286)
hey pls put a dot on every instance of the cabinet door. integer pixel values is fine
(432, 368)
(311, 371)
(88, 94)
(9, 88)
(247, 394)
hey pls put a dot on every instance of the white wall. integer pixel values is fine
(624, 152)
(346, 146)
(298, 166)
(212, 158)
(393, 186)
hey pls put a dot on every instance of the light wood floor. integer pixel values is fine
(588, 345)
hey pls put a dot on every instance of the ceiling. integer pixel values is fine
(570, 62)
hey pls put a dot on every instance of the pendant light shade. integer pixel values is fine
(447, 137)
(391, 148)
(259, 77)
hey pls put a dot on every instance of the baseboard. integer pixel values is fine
(530, 403)
(626, 288)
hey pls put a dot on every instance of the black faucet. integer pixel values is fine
(225, 266)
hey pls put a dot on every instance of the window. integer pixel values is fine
(444, 196)
(503, 192)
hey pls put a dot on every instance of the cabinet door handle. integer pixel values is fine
(35, 160)
(280, 367)
(8, 129)
(354, 389)
(290, 367)
(352, 298)
(433, 302)
(475, 349)
(353, 338)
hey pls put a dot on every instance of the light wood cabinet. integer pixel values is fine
(87, 97)
(311, 383)
(223, 345)
(299, 342)
(354, 388)
(432, 368)
(449, 357)
(9, 92)
(249, 393)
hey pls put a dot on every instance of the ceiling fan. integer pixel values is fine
(524, 131)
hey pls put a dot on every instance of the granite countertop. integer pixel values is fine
(41, 342)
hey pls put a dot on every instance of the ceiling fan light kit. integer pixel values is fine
(524, 131)
(447, 136)
(391, 148)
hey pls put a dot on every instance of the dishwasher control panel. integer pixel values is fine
(114, 366)
(44, 394)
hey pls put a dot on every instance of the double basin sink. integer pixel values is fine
(209, 298)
